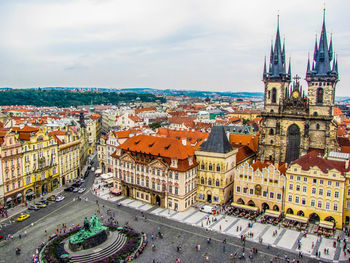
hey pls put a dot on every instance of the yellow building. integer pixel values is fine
(217, 160)
(260, 185)
(91, 127)
(40, 168)
(315, 187)
(68, 155)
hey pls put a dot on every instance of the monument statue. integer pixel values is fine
(90, 229)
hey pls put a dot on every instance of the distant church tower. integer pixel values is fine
(292, 123)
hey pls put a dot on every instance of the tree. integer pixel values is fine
(154, 125)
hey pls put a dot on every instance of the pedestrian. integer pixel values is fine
(224, 249)
(220, 227)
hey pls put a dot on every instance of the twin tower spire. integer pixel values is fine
(320, 66)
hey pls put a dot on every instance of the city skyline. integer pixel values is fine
(168, 45)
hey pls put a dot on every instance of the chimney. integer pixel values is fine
(184, 142)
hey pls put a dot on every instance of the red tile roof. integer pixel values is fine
(313, 158)
(337, 111)
(164, 147)
(245, 139)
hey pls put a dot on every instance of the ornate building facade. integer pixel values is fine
(293, 124)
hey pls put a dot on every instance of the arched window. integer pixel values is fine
(218, 168)
(319, 96)
(217, 182)
(209, 181)
(274, 95)
(210, 167)
(271, 111)
(269, 94)
(202, 180)
(315, 113)
(202, 166)
(317, 126)
(271, 131)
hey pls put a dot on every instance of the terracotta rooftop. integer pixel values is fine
(164, 147)
(314, 159)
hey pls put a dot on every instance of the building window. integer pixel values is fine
(210, 167)
(290, 198)
(317, 126)
(153, 185)
(321, 181)
(303, 201)
(290, 186)
(328, 205)
(170, 189)
(217, 182)
(209, 181)
(274, 95)
(202, 180)
(314, 181)
(329, 193)
(329, 183)
(238, 189)
(304, 189)
(291, 177)
(176, 190)
(349, 191)
(305, 179)
(337, 184)
(176, 176)
(251, 191)
(298, 178)
(336, 194)
(218, 168)
(319, 96)
(348, 204)
(320, 191)
(271, 131)
(335, 207)
(298, 188)
(201, 196)
(272, 195)
(202, 166)
(312, 203)
(245, 190)
(264, 193)
(313, 190)
(319, 204)
(216, 199)
(279, 196)
(297, 199)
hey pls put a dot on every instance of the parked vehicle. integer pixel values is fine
(69, 189)
(76, 189)
(41, 205)
(44, 201)
(207, 209)
(33, 207)
(22, 217)
(81, 190)
(59, 198)
(51, 198)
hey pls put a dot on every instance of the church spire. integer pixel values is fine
(308, 71)
(277, 67)
(264, 74)
(323, 56)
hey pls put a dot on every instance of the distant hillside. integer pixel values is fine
(62, 98)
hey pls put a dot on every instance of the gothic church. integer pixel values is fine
(293, 124)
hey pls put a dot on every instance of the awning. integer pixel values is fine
(301, 219)
(246, 207)
(326, 224)
(106, 176)
(272, 213)
(9, 199)
(115, 191)
(19, 195)
(98, 171)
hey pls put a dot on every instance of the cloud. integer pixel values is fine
(187, 44)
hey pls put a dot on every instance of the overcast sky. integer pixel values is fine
(180, 44)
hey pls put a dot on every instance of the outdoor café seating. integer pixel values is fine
(299, 222)
(245, 211)
(272, 217)
(325, 228)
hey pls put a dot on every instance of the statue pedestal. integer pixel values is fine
(90, 242)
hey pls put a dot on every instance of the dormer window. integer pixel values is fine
(173, 163)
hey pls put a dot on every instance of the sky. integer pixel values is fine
(216, 45)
